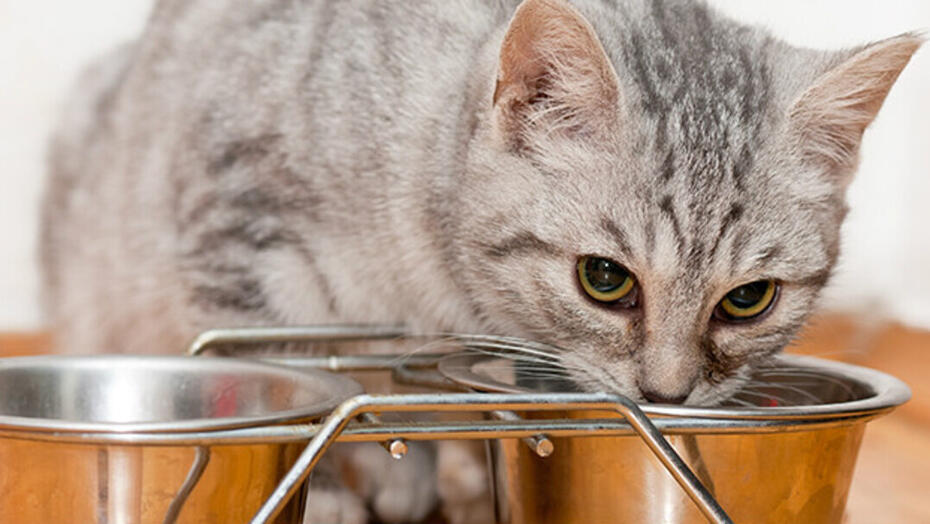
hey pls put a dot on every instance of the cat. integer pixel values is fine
(645, 183)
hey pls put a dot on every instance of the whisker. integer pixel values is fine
(513, 346)
(516, 343)
(525, 372)
(500, 338)
(820, 378)
(766, 396)
(740, 402)
(804, 393)
(512, 358)
(513, 351)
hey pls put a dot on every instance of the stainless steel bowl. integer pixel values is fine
(67, 428)
(764, 463)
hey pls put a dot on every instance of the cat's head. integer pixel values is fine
(660, 190)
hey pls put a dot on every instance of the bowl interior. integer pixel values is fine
(796, 385)
(160, 393)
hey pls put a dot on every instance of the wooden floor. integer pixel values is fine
(892, 480)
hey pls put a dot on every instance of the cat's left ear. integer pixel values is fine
(828, 119)
(553, 75)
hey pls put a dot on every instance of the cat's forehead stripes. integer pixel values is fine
(619, 237)
(522, 244)
(699, 91)
(698, 103)
(726, 224)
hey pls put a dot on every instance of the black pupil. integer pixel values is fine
(605, 276)
(749, 295)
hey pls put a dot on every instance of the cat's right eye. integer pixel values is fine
(606, 281)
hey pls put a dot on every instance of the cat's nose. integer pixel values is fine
(657, 398)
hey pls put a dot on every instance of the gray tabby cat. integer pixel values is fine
(644, 183)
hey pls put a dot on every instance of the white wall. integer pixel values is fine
(885, 270)
(42, 45)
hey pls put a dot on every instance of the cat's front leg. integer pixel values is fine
(330, 500)
(334, 505)
(397, 491)
(463, 484)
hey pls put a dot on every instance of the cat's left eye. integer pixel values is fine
(747, 302)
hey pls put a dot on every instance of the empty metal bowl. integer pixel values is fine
(76, 436)
(783, 451)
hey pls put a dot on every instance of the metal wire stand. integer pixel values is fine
(356, 419)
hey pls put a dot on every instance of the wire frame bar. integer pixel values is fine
(341, 416)
(339, 419)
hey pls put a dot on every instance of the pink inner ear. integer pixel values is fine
(831, 115)
(551, 49)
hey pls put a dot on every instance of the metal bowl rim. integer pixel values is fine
(338, 387)
(888, 392)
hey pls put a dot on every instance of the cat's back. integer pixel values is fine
(187, 149)
(209, 72)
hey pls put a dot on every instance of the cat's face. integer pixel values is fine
(668, 231)
(660, 329)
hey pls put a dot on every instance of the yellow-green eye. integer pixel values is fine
(605, 280)
(747, 301)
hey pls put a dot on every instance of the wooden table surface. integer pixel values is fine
(892, 479)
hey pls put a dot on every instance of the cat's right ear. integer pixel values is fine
(553, 76)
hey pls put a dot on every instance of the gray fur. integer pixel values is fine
(309, 162)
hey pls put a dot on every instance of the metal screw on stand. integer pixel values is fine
(540, 443)
(396, 447)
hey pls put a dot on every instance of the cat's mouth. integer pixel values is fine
(558, 380)
(533, 366)
(510, 363)
(770, 385)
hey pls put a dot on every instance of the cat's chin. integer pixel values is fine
(710, 395)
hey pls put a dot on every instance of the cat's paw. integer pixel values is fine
(331, 505)
(463, 483)
(399, 491)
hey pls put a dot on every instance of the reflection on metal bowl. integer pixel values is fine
(67, 426)
(782, 451)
